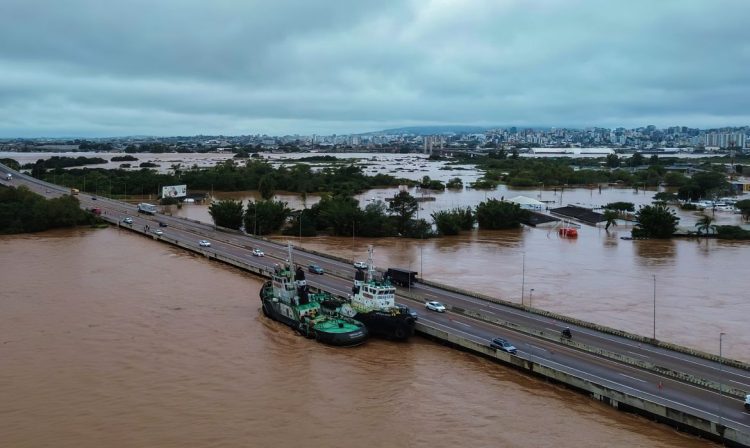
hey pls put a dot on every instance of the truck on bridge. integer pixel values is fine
(401, 277)
(148, 209)
(9, 177)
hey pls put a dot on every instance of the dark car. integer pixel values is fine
(502, 344)
(315, 269)
(93, 198)
(162, 224)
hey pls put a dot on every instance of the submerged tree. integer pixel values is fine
(493, 214)
(655, 221)
(403, 206)
(705, 225)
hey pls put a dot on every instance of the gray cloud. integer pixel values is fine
(187, 67)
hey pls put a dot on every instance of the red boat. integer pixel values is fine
(567, 232)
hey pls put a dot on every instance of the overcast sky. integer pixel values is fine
(186, 67)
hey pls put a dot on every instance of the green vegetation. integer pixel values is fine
(703, 185)
(56, 162)
(431, 184)
(493, 214)
(610, 216)
(655, 221)
(227, 213)
(450, 222)
(22, 211)
(403, 206)
(123, 159)
(455, 184)
(10, 163)
(732, 233)
(744, 208)
(705, 225)
(267, 216)
(620, 206)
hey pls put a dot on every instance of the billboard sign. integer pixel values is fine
(174, 191)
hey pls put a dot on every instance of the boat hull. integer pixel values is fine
(386, 325)
(336, 332)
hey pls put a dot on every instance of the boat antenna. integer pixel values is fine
(370, 267)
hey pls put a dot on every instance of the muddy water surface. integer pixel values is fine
(110, 339)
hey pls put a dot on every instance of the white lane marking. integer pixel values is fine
(633, 378)
(637, 354)
(739, 382)
(461, 323)
(550, 329)
(488, 311)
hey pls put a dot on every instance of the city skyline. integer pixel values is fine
(98, 69)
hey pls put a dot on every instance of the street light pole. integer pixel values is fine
(654, 307)
(523, 275)
(421, 263)
(721, 376)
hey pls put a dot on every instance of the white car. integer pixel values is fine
(360, 265)
(158, 232)
(204, 243)
(128, 220)
(435, 306)
(258, 253)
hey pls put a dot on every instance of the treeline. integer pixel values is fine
(57, 162)
(532, 172)
(341, 215)
(22, 211)
(226, 176)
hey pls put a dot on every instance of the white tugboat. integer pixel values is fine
(373, 302)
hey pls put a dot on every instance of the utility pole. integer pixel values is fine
(654, 307)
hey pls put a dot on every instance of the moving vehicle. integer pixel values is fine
(360, 265)
(128, 220)
(315, 269)
(148, 209)
(286, 298)
(747, 403)
(9, 177)
(204, 243)
(503, 345)
(435, 306)
(258, 253)
(158, 232)
(74, 191)
(162, 224)
(401, 277)
(96, 211)
(565, 333)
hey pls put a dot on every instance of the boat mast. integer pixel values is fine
(370, 267)
(289, 255)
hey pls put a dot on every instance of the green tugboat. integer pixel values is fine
(286, 298)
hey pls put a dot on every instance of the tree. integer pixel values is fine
(446, 222)
(266, 186)
(744, 208)
(404, 206)
(227, 213)
(266, 217)
(705, 225)
(663, 196)
(455, 184)
(612, 160)
(636, 160)
(655, 221)
(621, 206)
(611, 217)
(493, 214)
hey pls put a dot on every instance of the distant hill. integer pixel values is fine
(432, 130)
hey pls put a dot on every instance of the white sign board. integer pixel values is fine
(174, 191)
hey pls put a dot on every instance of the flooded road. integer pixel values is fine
(111, 339)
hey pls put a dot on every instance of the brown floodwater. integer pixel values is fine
(114, 340)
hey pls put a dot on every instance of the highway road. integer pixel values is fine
(711, 404)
